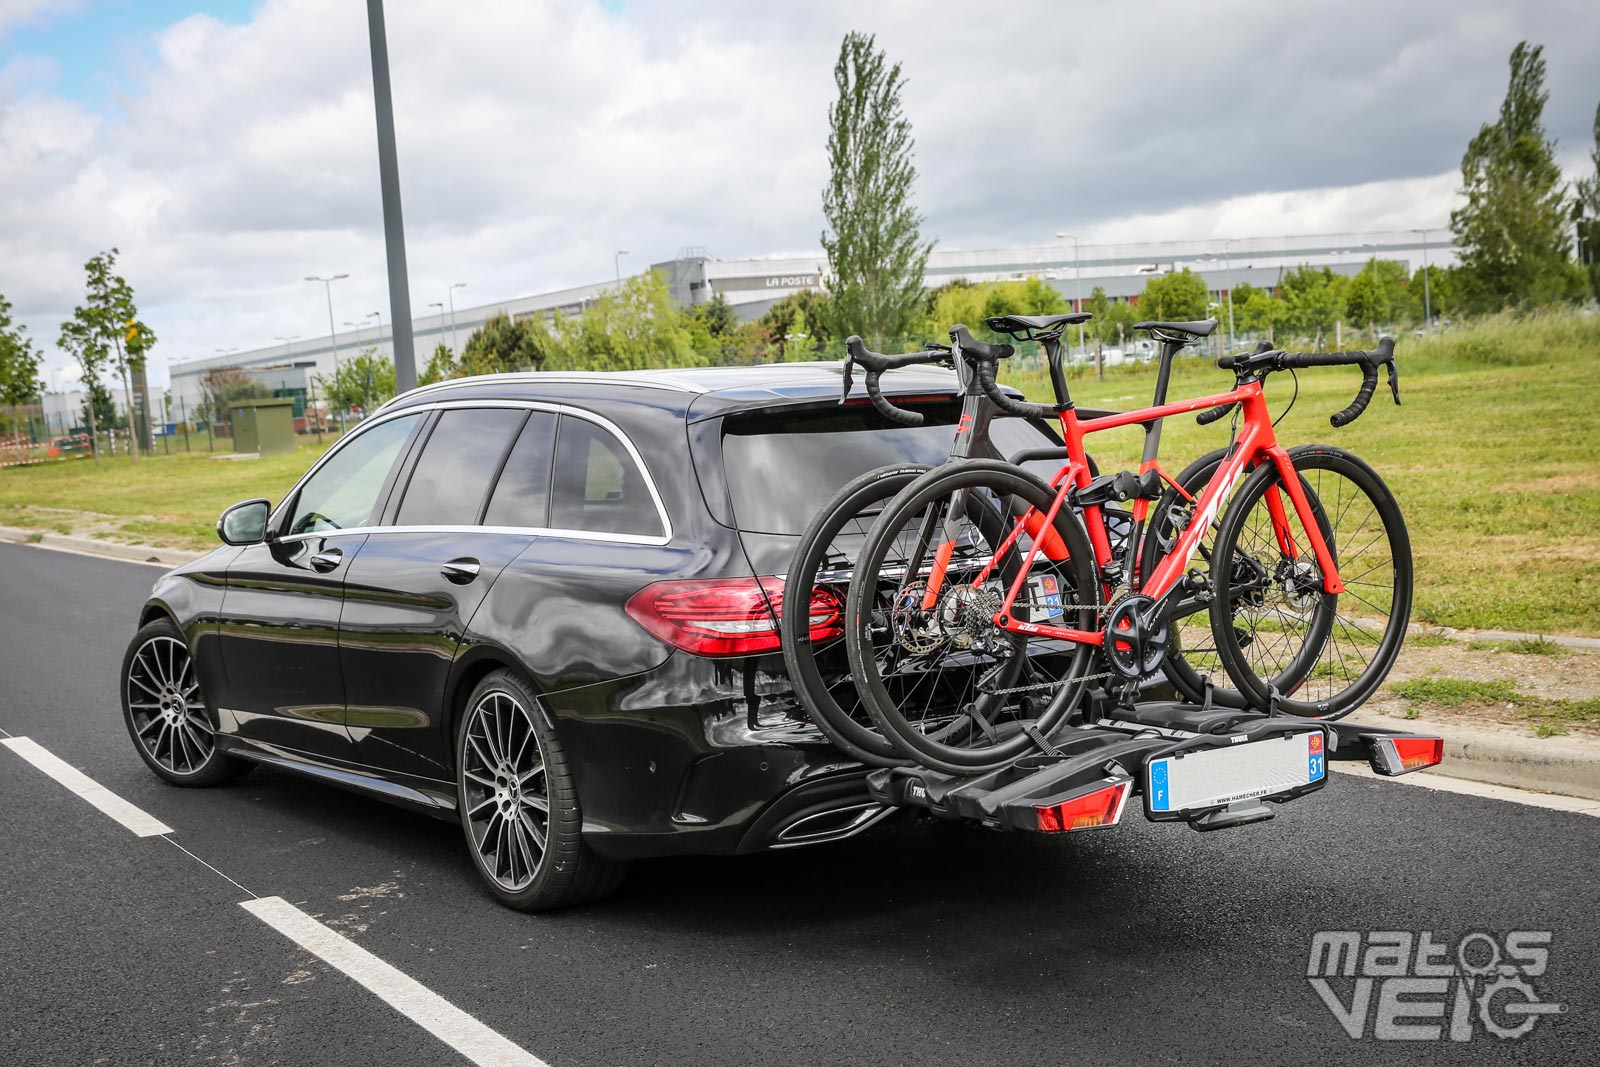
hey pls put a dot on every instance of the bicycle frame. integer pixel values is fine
(1256, 443)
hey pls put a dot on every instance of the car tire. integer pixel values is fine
(510, 771)
(166, 713)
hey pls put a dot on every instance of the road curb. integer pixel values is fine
(109, 549)
(1587, 644)
(1562, 765)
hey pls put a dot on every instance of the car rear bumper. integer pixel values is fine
(706, 757)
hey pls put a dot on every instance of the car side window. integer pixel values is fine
(451, 479)
(597, 487)
(343, 493)
(522, 495)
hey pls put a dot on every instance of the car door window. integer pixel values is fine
(451, 479)
(597, 486)
(522, 495)
(343, 492)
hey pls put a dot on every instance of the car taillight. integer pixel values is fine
(726, 616)
(1097, 808)
(1395, 756)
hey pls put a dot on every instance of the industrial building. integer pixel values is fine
(754, 285)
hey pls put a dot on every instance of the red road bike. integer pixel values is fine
(1308, 591)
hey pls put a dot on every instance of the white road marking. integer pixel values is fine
(135, 819)
(401, 992)
(1445, 784)
(93, 555)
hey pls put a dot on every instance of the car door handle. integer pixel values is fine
(323, 562)
(460, 571)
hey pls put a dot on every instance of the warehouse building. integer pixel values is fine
(754, 285)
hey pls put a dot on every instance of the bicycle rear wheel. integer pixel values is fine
(1275, 625)
(819, 572)
(951, 688)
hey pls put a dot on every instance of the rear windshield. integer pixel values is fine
(781, 468)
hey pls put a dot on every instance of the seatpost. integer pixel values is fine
(1152, 433)
(1058, 374)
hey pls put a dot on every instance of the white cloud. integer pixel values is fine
(536, 139)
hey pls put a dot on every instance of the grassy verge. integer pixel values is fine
(1547, 715)
(1493, 458)
(165, 500)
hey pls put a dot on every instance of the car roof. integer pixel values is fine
(704, 391)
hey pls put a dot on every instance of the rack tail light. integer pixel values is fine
(1394, 756)
(1098, 808)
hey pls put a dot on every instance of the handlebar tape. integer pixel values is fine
(856, 351)
(888, 410)
(1369, 362)
(978, 351)
(1007, 403)
(1207, 417)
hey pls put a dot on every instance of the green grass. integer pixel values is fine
(1429, 641)
(166, 500)
(1547, 716)
(1494, 457)
(1527, 646)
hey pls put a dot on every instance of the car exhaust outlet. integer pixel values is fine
(833, 824)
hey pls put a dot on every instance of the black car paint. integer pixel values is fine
(672, 753)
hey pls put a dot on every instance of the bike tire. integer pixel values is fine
(1005, 482)
(1347, 542)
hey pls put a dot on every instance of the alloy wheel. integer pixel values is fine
(168, 713)
(505, 790)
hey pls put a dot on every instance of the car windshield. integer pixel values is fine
(782, 468)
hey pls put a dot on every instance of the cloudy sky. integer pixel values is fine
(228, 147)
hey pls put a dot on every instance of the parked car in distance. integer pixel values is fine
(541, 605)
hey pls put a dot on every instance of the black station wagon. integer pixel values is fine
(542, 605)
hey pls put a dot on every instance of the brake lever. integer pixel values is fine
(849, 379)
(1394, 380)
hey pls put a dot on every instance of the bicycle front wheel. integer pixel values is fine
(951, 688)
(1273, 621)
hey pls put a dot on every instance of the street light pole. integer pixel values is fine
(1077, 281)
(1227, 265)
(440, 305)
(616, 261)
(452, 295)
(1427, 304)
(394, 232)
(333, 335)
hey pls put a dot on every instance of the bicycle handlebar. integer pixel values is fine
(998, 397)
(1210, 415)
(856, 351)
(1369, 362)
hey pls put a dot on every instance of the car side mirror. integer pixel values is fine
(245, 523)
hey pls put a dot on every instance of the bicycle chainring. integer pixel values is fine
(1134, 647)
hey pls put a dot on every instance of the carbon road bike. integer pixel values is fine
(819, 572)
(1308, 595)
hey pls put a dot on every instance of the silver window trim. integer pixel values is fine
(534, 531)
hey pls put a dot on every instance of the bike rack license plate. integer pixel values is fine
(1187, 784)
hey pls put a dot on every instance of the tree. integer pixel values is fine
(1313, 301)
(1376, 295)
(88, 348)
(1511, 230)
(19, 362)
(634, 326)
(108, 321)
(503, 344)
(220, 388)
(441, 366)
(364, 381)
(98, 407)
(1112, 318)
(875, 250)
(1586, 212)
(1179, 296)
(1437, 297)
(1255, 310)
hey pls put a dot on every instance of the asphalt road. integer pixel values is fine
(919, 943)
